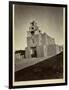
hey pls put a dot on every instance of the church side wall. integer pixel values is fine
(49, 47)
(50, 40)
(51, 50)
(44, 42)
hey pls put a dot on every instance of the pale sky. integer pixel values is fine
(49, 19)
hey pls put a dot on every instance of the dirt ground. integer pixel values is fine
(51, 68)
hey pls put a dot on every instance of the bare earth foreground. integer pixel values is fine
(51, 68)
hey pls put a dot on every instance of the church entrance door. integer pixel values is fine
(33, 52)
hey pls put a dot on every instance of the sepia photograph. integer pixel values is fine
(37, 43)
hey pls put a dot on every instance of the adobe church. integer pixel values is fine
(39, 44)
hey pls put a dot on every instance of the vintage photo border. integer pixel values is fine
(11, 43)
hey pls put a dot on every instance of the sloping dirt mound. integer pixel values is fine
(51, 68)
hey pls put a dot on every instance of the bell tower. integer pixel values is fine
(33, 27)
(33, 38)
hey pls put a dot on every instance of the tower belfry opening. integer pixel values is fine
(33, 27)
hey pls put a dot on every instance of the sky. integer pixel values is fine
(49, 19)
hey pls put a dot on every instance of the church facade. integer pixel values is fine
(39, 44)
